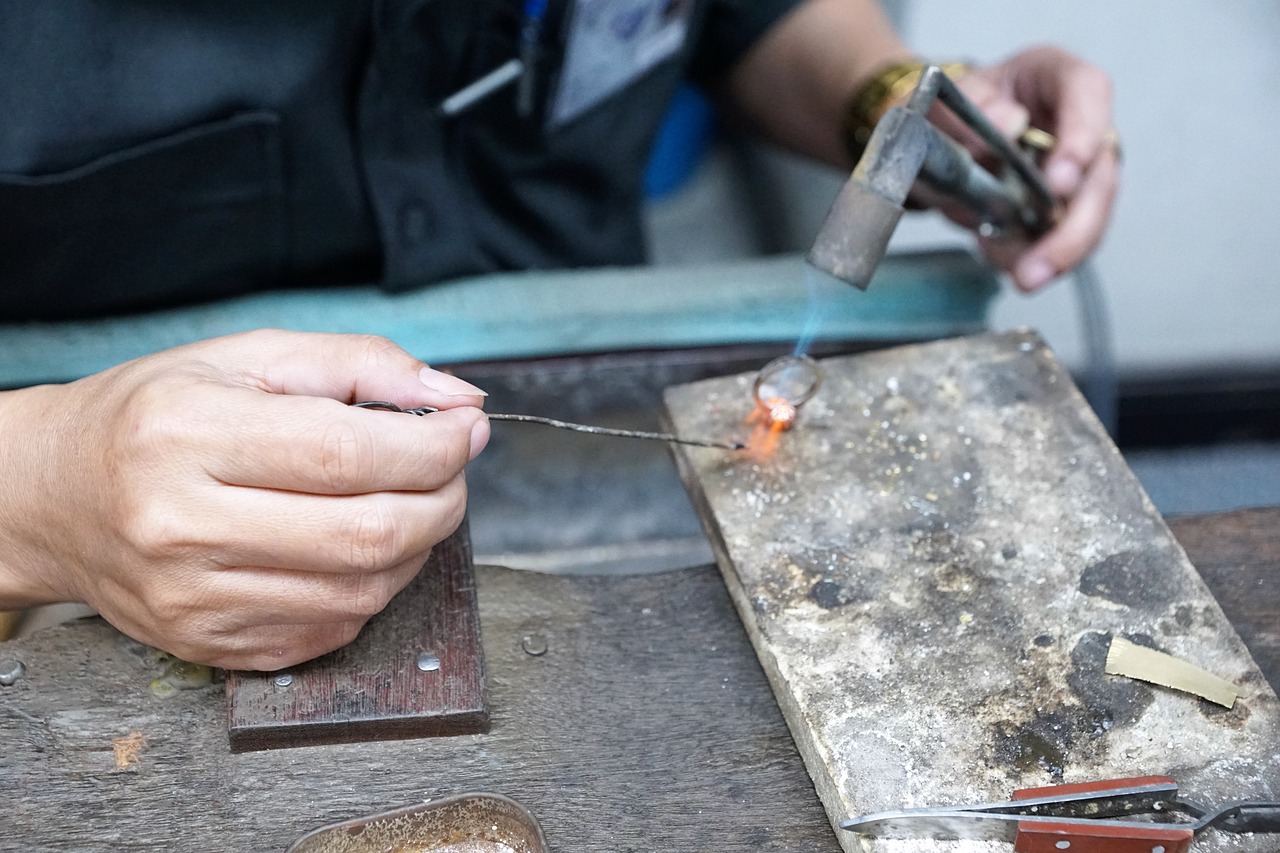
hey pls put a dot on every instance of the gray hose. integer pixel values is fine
(1098, 382)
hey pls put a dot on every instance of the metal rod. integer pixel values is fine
(621, 433)
(951, 95)
(473, 93)
(552, 422)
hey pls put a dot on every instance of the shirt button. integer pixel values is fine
(414, 222)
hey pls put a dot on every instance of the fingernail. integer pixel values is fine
(1064, 176)
(450, 386)
(1033, 272)
(479, 436)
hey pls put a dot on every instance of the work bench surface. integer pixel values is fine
(628, 713)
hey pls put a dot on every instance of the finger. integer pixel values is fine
(249, 597)
(306, 444)
(1076, 234)
(348, 368)
(268, 648)
(1074, 99)
(257, 647)
(314, 533)
(278, 616)
(221, 604)
(1003, 253)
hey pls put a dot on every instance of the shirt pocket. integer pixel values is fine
(192, 215)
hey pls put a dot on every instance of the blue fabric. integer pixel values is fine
(682, 143)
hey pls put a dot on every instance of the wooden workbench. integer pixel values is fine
(646, 724)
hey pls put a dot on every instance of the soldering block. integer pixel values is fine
(931, 567)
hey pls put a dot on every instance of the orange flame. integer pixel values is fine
(771, 420)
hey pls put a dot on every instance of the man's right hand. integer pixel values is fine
(224, 502)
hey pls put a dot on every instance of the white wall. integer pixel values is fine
(1192, 260)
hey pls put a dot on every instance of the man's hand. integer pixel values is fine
(222, 500)
(795, 83)
(1055, 91)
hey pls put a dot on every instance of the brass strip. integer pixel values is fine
(1126, 658)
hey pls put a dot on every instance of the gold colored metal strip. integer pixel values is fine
(1128, 659)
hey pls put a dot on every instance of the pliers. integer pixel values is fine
(1091, 817)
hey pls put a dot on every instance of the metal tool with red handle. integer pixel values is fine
(1139, 815)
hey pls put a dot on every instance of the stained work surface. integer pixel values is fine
(931, 567)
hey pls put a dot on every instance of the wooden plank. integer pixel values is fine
(628, 713)
(1238, 555)
(416, 670)
(931, 568)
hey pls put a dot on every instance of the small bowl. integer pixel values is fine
(466, 823)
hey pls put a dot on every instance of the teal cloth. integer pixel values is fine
(538, 314)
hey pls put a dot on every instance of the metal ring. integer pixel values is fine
(1042, 141)
(1112, 140)
(791, 379)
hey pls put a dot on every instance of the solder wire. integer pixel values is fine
(552, 422)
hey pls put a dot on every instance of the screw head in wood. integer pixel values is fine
(10, 671)
(534, 645)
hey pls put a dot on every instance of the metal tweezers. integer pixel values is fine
(1092, 817)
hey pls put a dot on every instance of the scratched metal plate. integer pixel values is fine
(931, 567)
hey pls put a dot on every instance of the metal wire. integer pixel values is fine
(552, 422)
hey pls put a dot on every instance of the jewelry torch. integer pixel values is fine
(906, 151)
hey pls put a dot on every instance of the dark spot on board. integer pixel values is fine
(1184, 615)
(1013, 381)
(937, 546)
(1114, 698)
(1030, 747)
(958, 581)
(1134, 578)
(1233, 718)
(1050, 739)
(828, 594)
(1043, 641)
(1145, 640)
(924, 525)
(1009, 552)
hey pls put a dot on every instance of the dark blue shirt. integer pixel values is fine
(156, 152)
